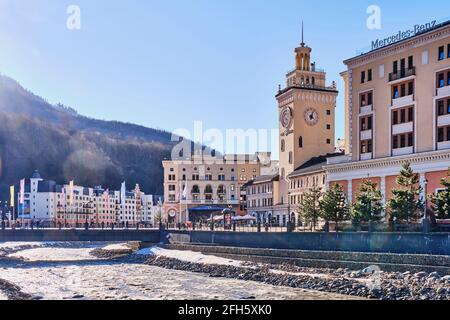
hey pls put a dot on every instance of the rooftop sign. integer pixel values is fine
(403, 35)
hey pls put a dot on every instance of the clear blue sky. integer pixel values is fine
(167, 63)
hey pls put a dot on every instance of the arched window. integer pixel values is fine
(208, 189)
(195, 189)
(300, 142)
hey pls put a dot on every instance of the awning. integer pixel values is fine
(206, 209)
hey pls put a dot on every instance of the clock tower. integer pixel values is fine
(306, 109)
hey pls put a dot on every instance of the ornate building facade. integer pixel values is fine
(397, 105)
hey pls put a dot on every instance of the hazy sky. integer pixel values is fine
(167, 63)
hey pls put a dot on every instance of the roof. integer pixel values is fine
(438, 26)
(263, 179)
(36, 175)
(313, 165)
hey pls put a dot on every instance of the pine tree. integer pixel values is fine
(309, 208)
(368, 206)
(406, 203)
(441, 200)
(333, 206)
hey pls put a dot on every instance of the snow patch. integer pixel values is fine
(189, 256)
(54, 254)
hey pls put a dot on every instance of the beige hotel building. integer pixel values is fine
(397, 104)
(199, 186)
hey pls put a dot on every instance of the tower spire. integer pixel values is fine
(303, 40)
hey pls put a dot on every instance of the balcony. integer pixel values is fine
(444, 145)
(365, 110)
(444, 121)
(403, 128)
(400, 74)
(339, 160)
(403, 101)
(366, 135)
(366, 156)
(443, 92)
(402, 151)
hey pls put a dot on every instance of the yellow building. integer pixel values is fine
(397, 105)
(196, 187)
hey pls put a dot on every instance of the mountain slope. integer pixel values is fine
(63, 145)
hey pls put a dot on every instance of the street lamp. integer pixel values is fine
(289, 212)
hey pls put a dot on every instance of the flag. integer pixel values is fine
(123, 191)
(22, 192)
(185, 192)
(71, 198)
(11, 192)
(63, 196)
(107, 198)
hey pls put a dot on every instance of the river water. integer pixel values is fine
(56, 273)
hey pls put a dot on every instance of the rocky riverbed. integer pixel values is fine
(370, 283)
(119, 271)
(110, 272)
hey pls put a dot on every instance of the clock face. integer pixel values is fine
(311, 117)
(286, 118)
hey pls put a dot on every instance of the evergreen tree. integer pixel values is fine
(441, 201)
(368, 206)
(333, 206)
(406, 203)
(309, 208)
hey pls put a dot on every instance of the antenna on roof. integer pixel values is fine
(303, 42)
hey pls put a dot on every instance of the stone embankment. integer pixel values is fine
(364, 283)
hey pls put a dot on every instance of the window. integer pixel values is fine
(300, 142)
(410, 62)
(328, 112)
(283, 145)
(369, 75)
(448, 50)
(363, 76)
(444, 134)
(171, 187)
(403, 140)
(403, 89)
(441, 135)
(366, 146)
(410, 88)
(366, 123)
(395, 66)
(441, 80)
(395, 92)
(328, 141)
(441, 53)
(328, 126)
(440, 108)
(290, 157)
(370, 98)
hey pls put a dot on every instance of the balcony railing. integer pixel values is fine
(400, 74)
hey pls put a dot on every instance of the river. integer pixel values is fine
(57, 272)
